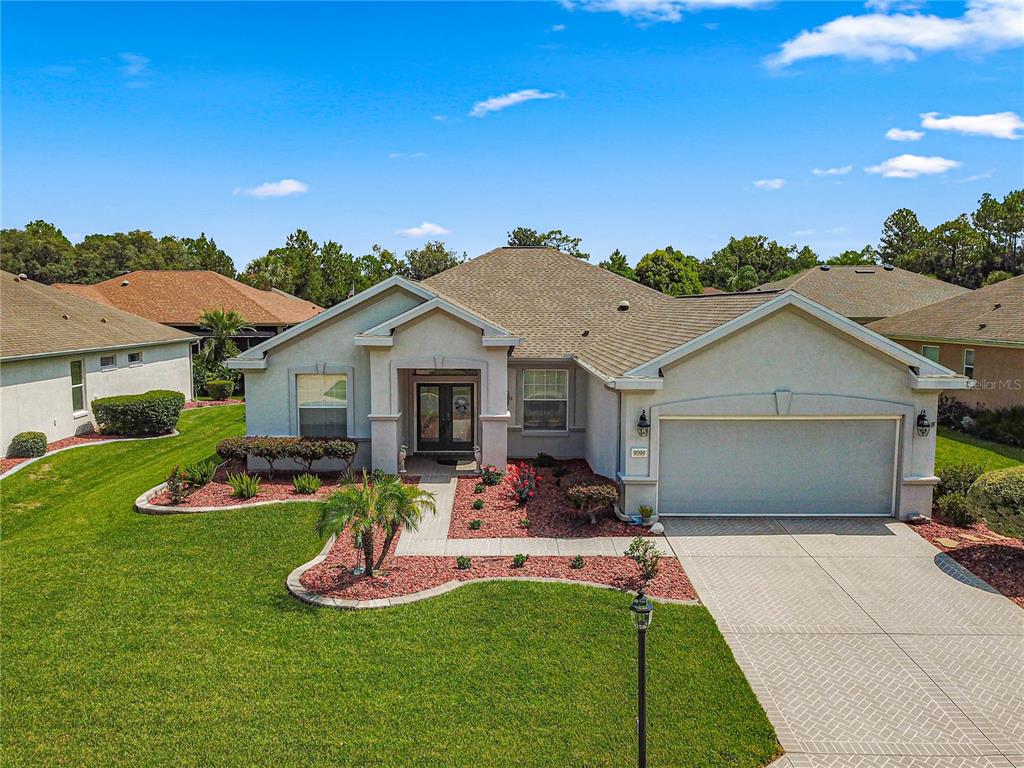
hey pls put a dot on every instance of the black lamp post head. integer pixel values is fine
(643, 610)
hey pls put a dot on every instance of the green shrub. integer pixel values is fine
(519, 560)
(474, 525)
(957, 478)
(591, 498)
(1003, 425)
(380, 477)
(340, 449)
(646, 555)
(177, 487)
(491, 475)
(219, 389)
(204, 369)
(306, 483)
(27, 445)
(478, 504)
(200, 473)
(243, 485)
(544, 460)
(998, 496)
(152, 413)
(303, 450)
(954, 509)
(645, 511)
(479, 488)
(233, 449)
(463, 563)
(577, 562)
(349, 476)
(559, 472)
(525, 523)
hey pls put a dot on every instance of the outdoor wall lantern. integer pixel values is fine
(643, 426)
(924, 426)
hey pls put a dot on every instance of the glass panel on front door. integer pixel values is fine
(445, 419)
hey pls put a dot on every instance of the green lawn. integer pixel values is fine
(137, 640)
(955, 447)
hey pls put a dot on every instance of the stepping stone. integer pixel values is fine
(950, 543)
(995, 536)
(970, 537)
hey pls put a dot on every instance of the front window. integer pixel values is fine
(77, 386)
(323, 404)
(545, 399)
(969, 363)
(932, 353)
(134, 358)
(108, 361)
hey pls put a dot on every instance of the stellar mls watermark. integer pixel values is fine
(999, 385)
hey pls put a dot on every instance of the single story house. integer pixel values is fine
(741, 404)
(979, 334)
(179, 297)
(60, 352)
(866, 293)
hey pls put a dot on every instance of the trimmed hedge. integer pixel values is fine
(954, 509)
(590, 498)
(219, 389)
(957, 478)
(27, 445)
(151, 413)
(998, 496)
(272, 449)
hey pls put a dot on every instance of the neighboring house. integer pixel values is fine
(60, 352)
(178, 298)
(866, 293)
(979, 334)
(757, 403)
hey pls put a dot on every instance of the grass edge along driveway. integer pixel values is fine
(137, 640)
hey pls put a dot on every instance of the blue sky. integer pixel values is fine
(662, 121)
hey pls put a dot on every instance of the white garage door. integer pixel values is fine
(778, 466)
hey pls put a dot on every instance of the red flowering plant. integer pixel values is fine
(522, 482)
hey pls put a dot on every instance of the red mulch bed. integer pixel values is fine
(549, 511)
(218, 493)
(404, 575)
(56, 445)
(210, 403)
(998, 561)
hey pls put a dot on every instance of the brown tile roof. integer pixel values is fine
(866, 293)
(562, 305)
(179, 297)
(36, 319)
(992, 314)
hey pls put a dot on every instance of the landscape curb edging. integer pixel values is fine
(34, 459)
(143, 506)
(294, 585)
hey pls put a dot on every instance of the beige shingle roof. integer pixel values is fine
(562, 306)
(179, 297)
(867, 293)
(36, 319)
(992, 314)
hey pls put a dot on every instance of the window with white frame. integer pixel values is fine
(545, 399)
(108, 361)
(134, 358)
(77, 386)
(969, 363)
(323, 404)
(932, 353)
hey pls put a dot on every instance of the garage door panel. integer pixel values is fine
(777, 467)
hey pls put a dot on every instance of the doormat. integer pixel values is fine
(448, 462)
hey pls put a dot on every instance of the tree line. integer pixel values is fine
(970, 250)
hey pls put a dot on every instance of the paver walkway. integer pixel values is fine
(865, 645)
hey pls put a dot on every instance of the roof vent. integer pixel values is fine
(585, 333)
(997, 306)
(66, 316)
(887, 267)
(864, 271)
(982, 326)
(623, 306)
(103, 319)
(23, 276)
(124, 283)
(824, 267)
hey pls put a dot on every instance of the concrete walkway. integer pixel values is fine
(865, 645)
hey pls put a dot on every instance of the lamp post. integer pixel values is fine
(643, 612)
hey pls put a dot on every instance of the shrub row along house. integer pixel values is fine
(759, 403)
(58, 353)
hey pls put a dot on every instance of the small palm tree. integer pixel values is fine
(223, 326)
(387, 504)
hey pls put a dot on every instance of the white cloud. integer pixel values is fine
(976, 177)
(281, 188)
(912, 166)
(441, 118)
(423, 230)
(653, 11)
(881, 37)
(840, 171)
(498, 103)
(899, 134)
(1001, 125)
(397, 155)
(770, 184)
(558, 28)
(135, 65)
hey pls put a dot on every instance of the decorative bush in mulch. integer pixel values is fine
(549, 511)
(56, 445)
(998, 560)
(404, 575)
(218, 493)
(210, 403)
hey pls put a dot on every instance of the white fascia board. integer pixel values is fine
(373, 341)
(637, 382)
(824, 314)
(965, 342)
(246, 364)
(488, 328)
(940, 382)
(502, 341)
(338, 309)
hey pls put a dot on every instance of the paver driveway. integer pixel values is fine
(865, 644)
